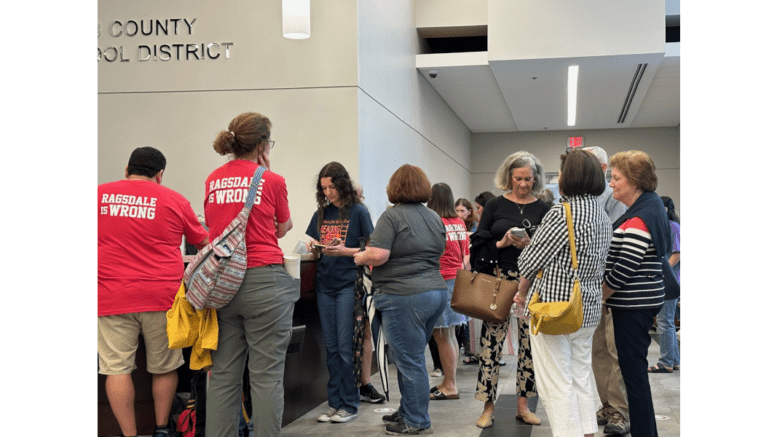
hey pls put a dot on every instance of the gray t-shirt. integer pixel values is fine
(415, 235)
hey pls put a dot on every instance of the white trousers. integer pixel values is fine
(565, 381)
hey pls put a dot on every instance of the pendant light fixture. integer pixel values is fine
(296, 19)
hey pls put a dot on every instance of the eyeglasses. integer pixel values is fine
(272, 143)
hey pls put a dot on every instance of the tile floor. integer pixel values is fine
(457, 417)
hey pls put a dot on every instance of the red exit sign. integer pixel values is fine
(575, 142)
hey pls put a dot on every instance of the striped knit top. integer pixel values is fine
(633, 269)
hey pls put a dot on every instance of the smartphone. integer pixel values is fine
(518, 232)
(334, 242)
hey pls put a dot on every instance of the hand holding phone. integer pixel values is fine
(517, 232)
(334, 242)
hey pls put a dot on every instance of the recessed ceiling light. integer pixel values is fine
(572, 95)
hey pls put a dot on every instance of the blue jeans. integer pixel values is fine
(336, 311)
(245, 429)
(667, 336)
(408, 322)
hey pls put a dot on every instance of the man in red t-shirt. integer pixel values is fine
(140, 228)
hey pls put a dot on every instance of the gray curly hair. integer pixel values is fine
(503, 179)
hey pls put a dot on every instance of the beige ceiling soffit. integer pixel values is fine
(451, 32)
(443, 60)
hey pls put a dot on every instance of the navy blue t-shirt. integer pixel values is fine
(337, 272)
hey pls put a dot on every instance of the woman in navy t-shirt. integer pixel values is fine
(337, 224)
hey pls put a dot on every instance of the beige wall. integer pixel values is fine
(350, 93)
(451, 13)
(402, 119)
(259, 58)
(523, 29)
(184, 125)
(307, 88)
(662, 144)
(329, 98)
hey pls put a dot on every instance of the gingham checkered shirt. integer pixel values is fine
(549, 251)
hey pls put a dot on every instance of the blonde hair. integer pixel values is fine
(503, 179)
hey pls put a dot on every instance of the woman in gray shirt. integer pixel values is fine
(410, 293)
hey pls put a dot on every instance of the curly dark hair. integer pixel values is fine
(342, 182)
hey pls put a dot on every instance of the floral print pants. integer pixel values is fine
(492, 337)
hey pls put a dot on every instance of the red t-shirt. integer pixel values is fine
(225, 192)
(456, 247)
(140, 225)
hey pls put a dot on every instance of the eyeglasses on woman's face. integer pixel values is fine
(272, 143)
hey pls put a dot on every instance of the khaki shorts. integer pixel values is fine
(118, 339)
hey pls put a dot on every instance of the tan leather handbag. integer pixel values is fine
(482, 296)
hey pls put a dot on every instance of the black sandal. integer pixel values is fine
(470, 360)
(659, 369)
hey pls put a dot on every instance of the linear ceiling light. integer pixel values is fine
(632, 91)
(572, 95)
(296, 19)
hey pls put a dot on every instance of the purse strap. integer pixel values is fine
(254, 186)
(571, 232)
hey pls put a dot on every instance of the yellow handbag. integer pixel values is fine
(559, 318)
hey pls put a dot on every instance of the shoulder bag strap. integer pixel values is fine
(571, 231)
(254, 187)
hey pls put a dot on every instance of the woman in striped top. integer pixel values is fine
(633, 282)
(562, 363)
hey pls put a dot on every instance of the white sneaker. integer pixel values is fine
(342, 416)
(326, 417)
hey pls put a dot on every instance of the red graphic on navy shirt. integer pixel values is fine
(331, 229)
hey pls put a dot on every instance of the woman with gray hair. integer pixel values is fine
(495, 247)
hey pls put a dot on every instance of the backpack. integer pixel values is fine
(187, 421)
(216, 272)
(188, 411)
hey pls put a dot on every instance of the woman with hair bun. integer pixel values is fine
(257, 321)
(338, 223)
